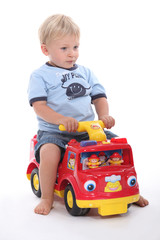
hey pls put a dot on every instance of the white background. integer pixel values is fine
(120, 42)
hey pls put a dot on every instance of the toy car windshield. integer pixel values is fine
(91, 160)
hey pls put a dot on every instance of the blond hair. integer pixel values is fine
(57, 26)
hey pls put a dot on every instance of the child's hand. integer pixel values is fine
(108, 121)
(70, 124)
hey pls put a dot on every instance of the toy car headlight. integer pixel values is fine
(90, 185)
(132, 181)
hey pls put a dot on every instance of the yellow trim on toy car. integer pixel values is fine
(59, 193)
(109, 206)
(29, 176)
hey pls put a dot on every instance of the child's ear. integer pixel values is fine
(44, 49)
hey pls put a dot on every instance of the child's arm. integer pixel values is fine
(50, 116)
(102, 109)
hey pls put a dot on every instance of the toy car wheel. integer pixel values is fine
(70, 203)
(35, 184)
(85, 211)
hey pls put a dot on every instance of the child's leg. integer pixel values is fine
(49, 160)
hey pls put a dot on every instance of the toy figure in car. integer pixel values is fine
(93, 161)
(115, 159)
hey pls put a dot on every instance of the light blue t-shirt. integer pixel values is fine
(67, 91)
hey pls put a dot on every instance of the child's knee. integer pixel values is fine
(50, 151)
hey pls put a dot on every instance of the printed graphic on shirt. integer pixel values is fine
(73, 90)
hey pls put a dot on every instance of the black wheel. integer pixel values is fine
(85, 211)
(70, 203)
(35, 184)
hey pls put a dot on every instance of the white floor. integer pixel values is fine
(18, 221)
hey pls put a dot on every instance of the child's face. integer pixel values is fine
(62, 52)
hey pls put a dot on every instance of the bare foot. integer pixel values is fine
(44, 207)
(142, 202)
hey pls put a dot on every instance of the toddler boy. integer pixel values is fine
(62, 92)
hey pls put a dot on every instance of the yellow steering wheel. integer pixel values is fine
(93, 128)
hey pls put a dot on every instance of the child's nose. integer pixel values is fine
(71, 53)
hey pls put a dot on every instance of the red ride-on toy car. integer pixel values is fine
(97, 173)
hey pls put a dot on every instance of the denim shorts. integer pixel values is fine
(61, 140)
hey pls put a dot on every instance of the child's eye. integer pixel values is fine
(63, 48)
(75, 47)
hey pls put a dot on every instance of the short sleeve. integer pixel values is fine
(37, 89)
(98, 91)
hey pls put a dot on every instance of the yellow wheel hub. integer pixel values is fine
(70, 199)
(36, 182)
